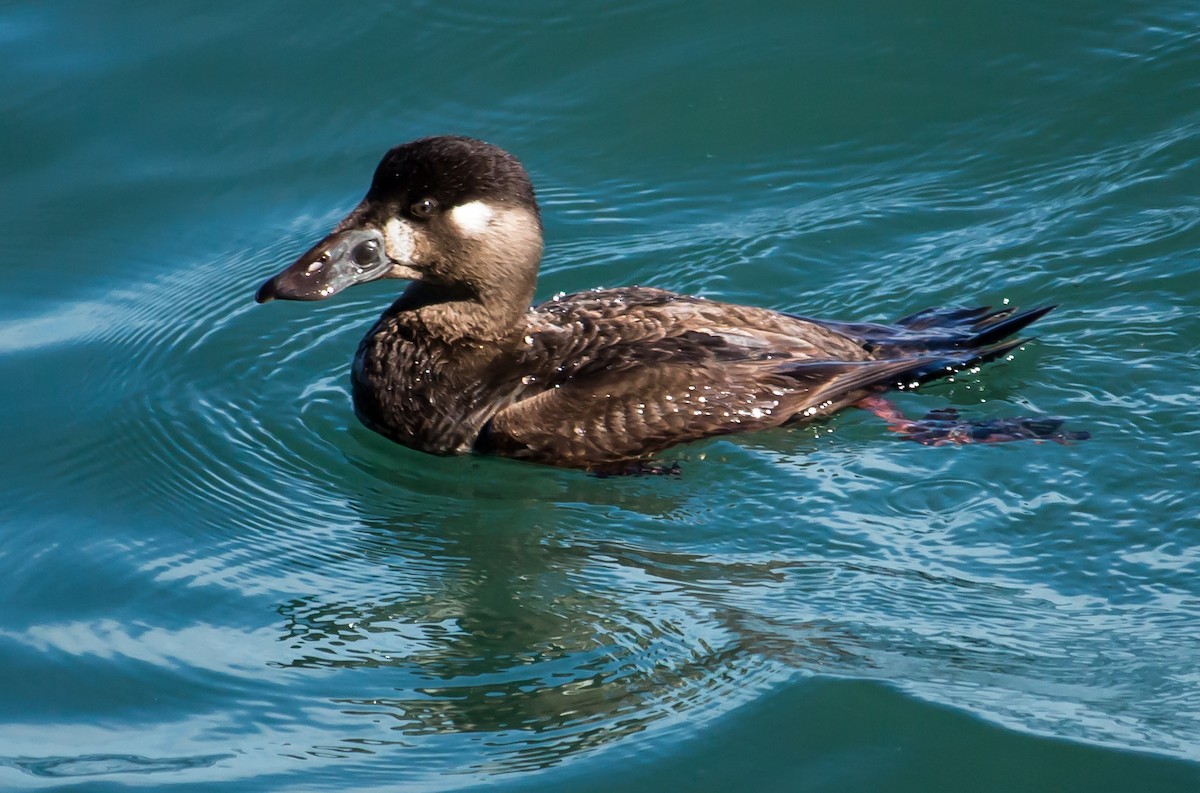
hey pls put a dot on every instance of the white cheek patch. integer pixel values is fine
(398, 240)
(473, 218)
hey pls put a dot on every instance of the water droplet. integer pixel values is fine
(527, 379)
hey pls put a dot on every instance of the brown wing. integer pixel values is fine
(625, 373)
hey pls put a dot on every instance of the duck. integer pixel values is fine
(464, 362)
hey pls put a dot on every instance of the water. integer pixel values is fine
(214, 578)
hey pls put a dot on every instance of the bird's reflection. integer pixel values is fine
(544, 637)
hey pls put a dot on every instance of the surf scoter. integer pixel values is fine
(599, 380)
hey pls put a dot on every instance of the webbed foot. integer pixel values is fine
(945, 426)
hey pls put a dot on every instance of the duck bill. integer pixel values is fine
(342, 259)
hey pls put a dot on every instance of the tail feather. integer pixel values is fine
(945, 317)
(919, 348)
(951, 361)
(973, 356)
(996, 327)
(833, 380)
(953, 329)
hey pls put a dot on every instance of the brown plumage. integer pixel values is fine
(597, 380)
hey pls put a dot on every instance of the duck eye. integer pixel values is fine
(424, 208)
(365, 252)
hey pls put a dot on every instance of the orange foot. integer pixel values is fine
(944, 426)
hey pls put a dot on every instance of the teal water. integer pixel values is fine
(211, 577)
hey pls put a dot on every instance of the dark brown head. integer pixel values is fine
(449, 211)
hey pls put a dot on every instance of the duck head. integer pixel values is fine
(455, 214)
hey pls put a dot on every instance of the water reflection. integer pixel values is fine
(545, 640)
(104, 764)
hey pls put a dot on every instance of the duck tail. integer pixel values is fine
(999, 325)
(908, 371)
(971, 326)
(956, 330)
(964, 358)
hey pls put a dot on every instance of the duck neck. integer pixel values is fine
(433, 349)
(454, 313)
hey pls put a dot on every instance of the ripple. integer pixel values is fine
(105, 764)
(473, 17)
(248, 570)
(573, 661)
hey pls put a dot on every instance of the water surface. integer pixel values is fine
(214, 577)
